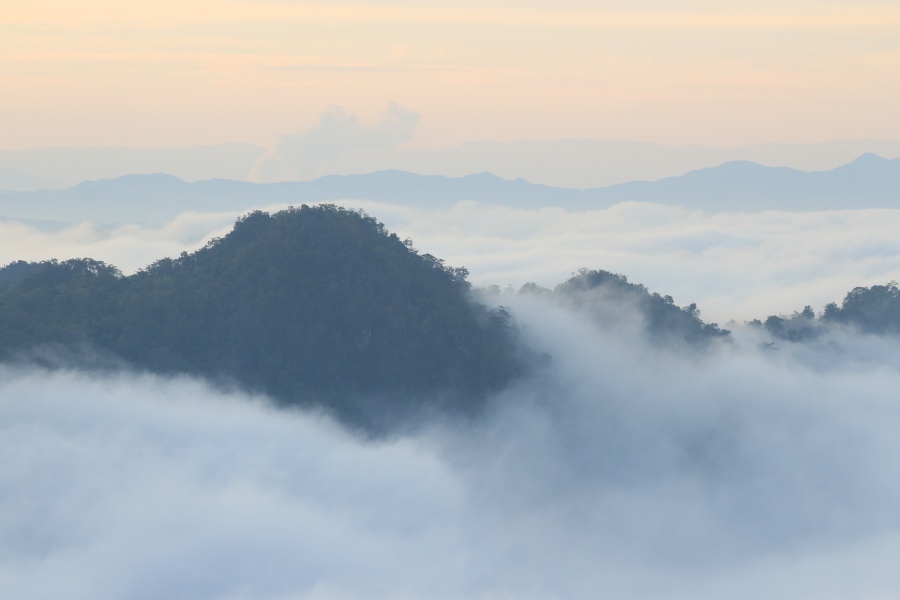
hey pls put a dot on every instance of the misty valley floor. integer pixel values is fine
(620, 470)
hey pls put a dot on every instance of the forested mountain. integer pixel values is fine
(311, 305)
(155, 199)
(610, 299)
(12, 274)
(321, 306)
(873, 310)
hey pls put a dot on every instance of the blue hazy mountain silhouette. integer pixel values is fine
(868, 182)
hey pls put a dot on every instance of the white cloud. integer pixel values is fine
(733, 265)
(313, 153)
(619, 471)
(129, 247)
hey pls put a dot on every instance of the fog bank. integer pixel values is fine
(619, 470)
(733, 265)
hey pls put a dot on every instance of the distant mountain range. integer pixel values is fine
(316, 306)
(57, 168)
(868, 182)
(569, 163)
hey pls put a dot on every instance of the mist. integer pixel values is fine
(735, 266)
(128, 246)
(312, 153)
(617, 470)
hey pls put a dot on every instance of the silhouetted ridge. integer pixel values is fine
(14, 273)
(868, 182)
(312, 305)
(605, 295)
(873, 310)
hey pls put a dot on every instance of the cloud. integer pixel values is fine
(619, 471)
(733, 265)
(129, 246)
(132, 487)
(312, 153)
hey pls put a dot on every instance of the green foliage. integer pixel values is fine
(800, 326)
(68, 302)
(12, 274)
(607, 294)
(311, 305)
(873, 310)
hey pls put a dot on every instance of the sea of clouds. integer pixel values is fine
(735, 266)
(618, 470)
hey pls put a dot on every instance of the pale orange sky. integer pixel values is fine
(199, 72)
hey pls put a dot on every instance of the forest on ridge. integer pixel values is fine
(322, 306)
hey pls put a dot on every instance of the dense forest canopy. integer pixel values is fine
(311, 305)
(871, 310)
(663, 322)
(322, 306)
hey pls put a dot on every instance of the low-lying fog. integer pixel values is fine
(733, 265)
(619, 471)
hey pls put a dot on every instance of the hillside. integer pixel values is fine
(315, 306)
(871, 310)
(604, 295)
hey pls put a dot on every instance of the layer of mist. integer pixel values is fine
(619, 470)
(733, 265)
(869, 182)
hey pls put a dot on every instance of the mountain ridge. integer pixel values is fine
(870, 181)
(314, 306)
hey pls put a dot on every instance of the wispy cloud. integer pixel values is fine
(129, 247)
(733, 265)
(701, 72)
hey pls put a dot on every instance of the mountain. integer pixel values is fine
(566, 163)
(158, 198)
(606, 297)
(313, 306)
(868, 182)
(585, 163)
(871, 310)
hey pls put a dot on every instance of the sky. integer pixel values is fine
(191, 72)
(618, 470)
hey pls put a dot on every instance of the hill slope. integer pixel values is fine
(312, 305)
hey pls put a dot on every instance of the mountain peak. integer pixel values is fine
(312, 305)
(869, 157)
(870, 164)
